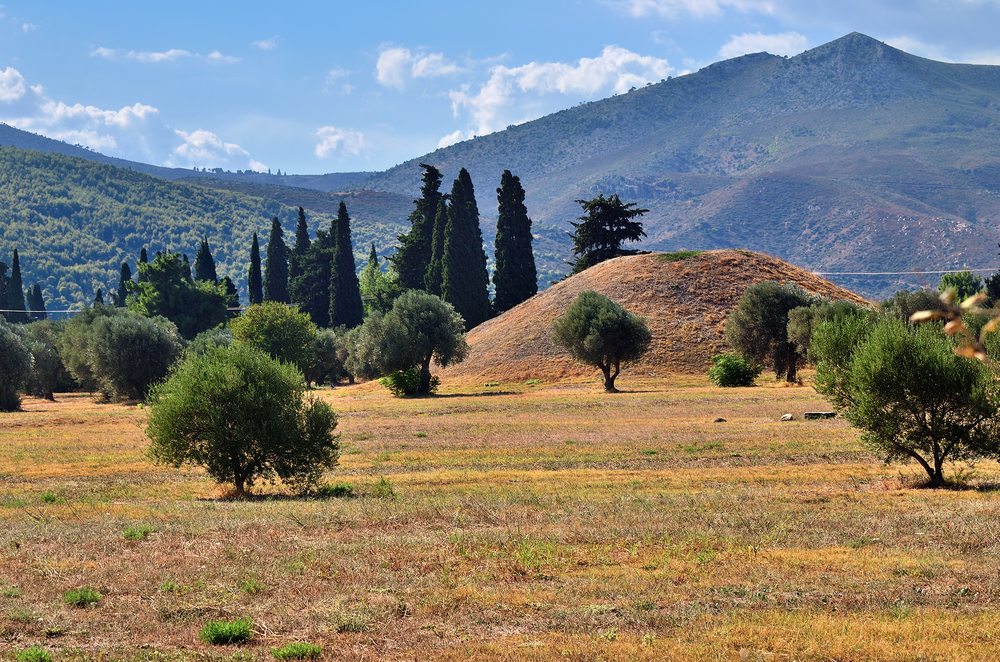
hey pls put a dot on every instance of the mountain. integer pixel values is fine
(853, 156)
(684, 297)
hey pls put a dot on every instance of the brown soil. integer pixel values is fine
(685, 303)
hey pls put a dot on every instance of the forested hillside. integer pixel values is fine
(74, 221)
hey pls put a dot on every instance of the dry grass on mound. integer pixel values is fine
(685, 302)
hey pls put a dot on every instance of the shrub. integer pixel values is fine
(244, 417)
(34, 654)
(281, 332)
(299, 651)
(82, 597)
(402, 382)
(15, 368)
(221, 633)
(731, 370)
(383, 489)
(219, 337)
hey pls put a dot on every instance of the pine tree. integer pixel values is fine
(255, 289)
(607, 222)
(414, 252)
(15, 293)
(276, 269)
(298, 252)
(514, 275)
(465, 282)
(186, 269)
(36, 304)
(434, 275)
(141, 278)
(124, 278)
(204, 263)
(345, 294)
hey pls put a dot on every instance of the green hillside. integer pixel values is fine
(74, 221)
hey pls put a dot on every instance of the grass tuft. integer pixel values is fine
(82, 597)
(297, 651)
(338, 491)
(34, 654)
(137, 533)
(221, 633)
(383, 489)
(252, 587)
(50, 497)
(677, 255)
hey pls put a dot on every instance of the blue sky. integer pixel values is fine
(337, 86)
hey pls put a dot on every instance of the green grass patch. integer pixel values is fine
(297, 651)
(221, 633)
(50, 497)
(338, 491)
(252, 587)
(678, 255)
(82, 597)
(137, 533)
(34, 654)
(383, 489)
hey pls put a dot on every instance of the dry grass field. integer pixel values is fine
(527, 522)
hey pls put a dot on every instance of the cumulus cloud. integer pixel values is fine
(615, 68)
(268, 44)
(219, 58)
(133, 132)
(450, 139)
(335, 141)
(29, 27)
(696, 8)
(396, 66)
(786, 43)
(917, 47)
(172, 55)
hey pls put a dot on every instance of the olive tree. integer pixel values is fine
(758, 328)
(597, 331)
(244, 417)
(129, 353)
(15, 367)
(908, 391)
(278, 330)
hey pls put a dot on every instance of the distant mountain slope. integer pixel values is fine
(74, 221)
(853, 156)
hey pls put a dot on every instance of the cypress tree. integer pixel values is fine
(255, 290)
(465, 282)
(434, 275)
(186, 269)
(204, 263)
(414, 252)
(345, 294)
(15, 293)
(299, 251)
(232, 296)
(312, 288)
(514, 274)
(276, 269)
(99, 297)
(36, 304)
(141, 278)
(124, 278)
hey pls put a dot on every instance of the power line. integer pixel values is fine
(894, 273)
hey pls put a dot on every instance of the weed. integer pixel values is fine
(11, 592)
(421, 435)
(610, 635)
(34, 654)
(534, 382)
(351, 623)
(650, 451)
(137, 533)
(251, 587)
(648, 639)
(299, 651)
(222, 633)
(383, 489)
(50, 497)
(338, 491)
(21, 616)
(82, 597)
(489, 384)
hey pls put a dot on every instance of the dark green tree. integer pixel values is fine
(605, 225)
(965, 283)
(193, 307)
(255, 286)
(15, 368)
(129, 353)
(186, 269)
(758, 328)
(125, 285)
(312, 288)
(465, 281)
(298, 251)
(232, 295)
(597, 331)
(280, 331)
(346, 308)
(435, 270)
(276, 269)
(36, 304)
(204, 263)
(143, 259)
(99, 297)
(514, 275)
(414, 252)
(15, 293)
(4, 285)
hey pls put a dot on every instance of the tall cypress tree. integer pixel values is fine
(298, 251)
(143, 259)
(311, 289)
(276, 269)
(15, 293)
(124, 278)
(232, 296)
(514, 274)
(345, 294)
(255, 288)
(204, 263)
(465, 282)
(36, 304)
(434, 275)
(186, 269)
(414, 252)
(99, 297)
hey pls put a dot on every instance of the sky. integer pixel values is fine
(318, 87)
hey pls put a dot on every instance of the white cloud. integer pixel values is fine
(219, 58)
(29, 27)
(268, 44)
(916, 47)
(696, 8)
(396, 66)
(334, 140)
(12, 85)
(333, 77)
(172, 55)
(450, 139)
(258, 166)
(786, 43)
(615, 68)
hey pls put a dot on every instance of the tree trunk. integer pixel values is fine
(791, 372)
(49, 395)
(609, 377)
(425, 376)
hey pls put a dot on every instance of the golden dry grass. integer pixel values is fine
(545, 522)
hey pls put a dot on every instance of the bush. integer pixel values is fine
(300, 651)
(34, 654)
(281, 332)
(402, 382)
(383, 489)
(244, 417)
(15, 368)
(130, 353)
(221, 633)
(82, 597)
(137, 533)
(731, 370)
(219, 337)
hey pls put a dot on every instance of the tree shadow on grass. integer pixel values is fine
(436, 396)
